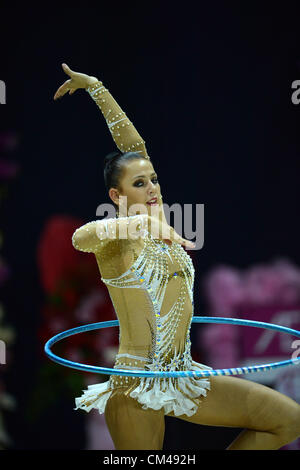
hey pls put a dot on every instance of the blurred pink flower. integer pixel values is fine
(224, 290)
(289, 292)
(227, 291)
(261, 285)
(275, 283)
(220, 344)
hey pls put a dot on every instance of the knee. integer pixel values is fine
(289, 428)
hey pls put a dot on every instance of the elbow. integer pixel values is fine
(75, 240)
(78, 240)
(83, 239)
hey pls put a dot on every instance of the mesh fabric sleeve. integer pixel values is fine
(94, 236)
(122, 130)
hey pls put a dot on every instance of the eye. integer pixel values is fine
(139, 182)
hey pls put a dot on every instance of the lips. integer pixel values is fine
(152, 201)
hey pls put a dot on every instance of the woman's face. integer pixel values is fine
(139, 184)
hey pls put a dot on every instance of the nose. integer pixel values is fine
(151, 188)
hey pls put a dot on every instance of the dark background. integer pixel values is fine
(208, 89)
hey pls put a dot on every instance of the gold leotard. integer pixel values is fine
(151, 287)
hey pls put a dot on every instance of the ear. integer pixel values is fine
(114, 195)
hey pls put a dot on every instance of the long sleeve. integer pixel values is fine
(121, 128)
(94, 236)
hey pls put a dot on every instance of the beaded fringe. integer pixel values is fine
(180, 395)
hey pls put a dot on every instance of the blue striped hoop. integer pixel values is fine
(200, 373)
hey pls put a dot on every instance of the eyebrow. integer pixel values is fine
(143, 176)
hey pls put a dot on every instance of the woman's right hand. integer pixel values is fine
(163, 231)
(77, 80)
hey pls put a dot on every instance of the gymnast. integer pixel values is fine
(150, 278)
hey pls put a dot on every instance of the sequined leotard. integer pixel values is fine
(151, 287)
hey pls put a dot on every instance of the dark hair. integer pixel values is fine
(113, 166)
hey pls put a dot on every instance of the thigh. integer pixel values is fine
(130, 426)
(237, 402)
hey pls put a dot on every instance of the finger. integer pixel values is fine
(62, 90)
(189, 244)
(72, 91)
(67, 69)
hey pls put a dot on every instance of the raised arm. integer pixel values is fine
(121, 128)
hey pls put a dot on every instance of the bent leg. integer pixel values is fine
(130, 426)
(271, 418)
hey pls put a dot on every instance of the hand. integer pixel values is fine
(163, 231)
(77, 80)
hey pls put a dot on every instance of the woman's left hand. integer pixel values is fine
(77, 80)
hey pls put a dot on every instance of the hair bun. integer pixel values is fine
(110, 157)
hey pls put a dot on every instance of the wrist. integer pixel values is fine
(91, 81)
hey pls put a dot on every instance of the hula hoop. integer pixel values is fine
(200, 373)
